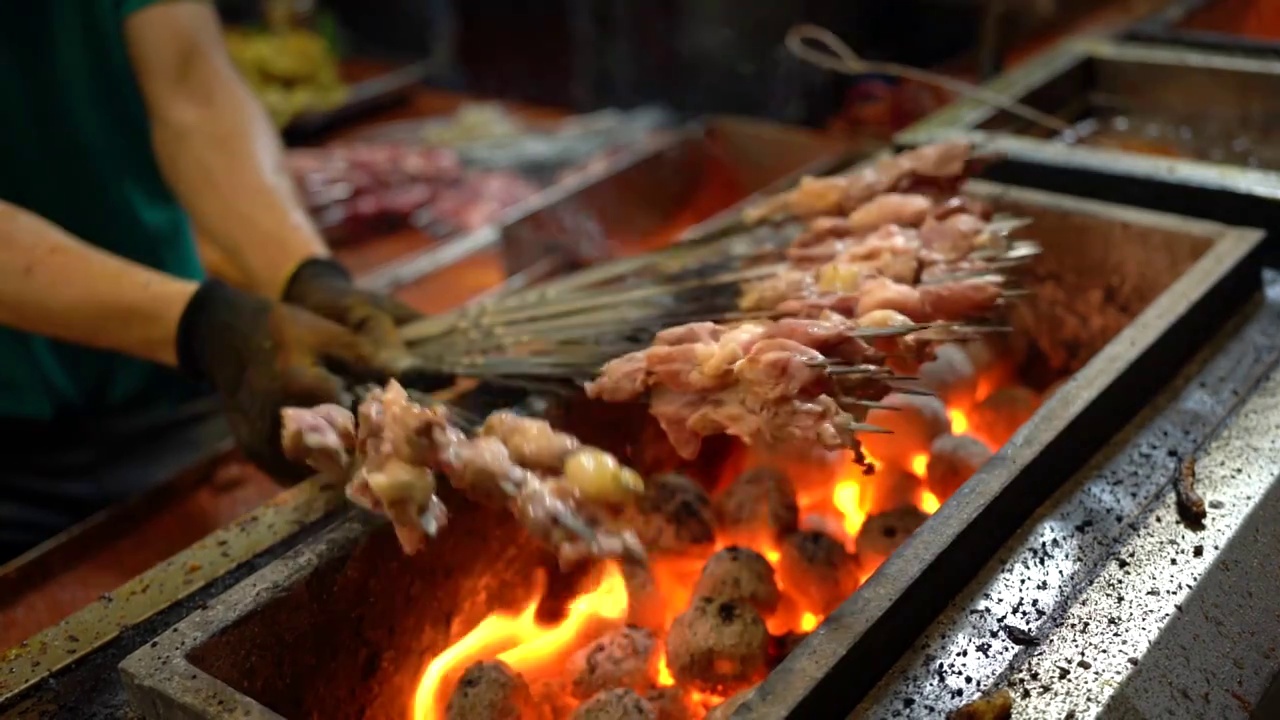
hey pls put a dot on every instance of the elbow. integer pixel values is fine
(200, 98)
(10, 215)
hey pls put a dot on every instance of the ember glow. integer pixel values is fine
(516, 638)
(838, 499)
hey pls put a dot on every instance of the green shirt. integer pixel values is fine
(75, 148)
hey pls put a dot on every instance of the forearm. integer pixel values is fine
(217, 265)
(54, 284)
(225, 165)
(219, 152)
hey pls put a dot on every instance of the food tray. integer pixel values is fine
(642, 199)
(1232, 118)
(537, 149)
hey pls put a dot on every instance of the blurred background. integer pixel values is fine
(705, 56)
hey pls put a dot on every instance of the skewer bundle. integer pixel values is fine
(782, 328)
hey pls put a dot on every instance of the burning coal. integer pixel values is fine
(742, 567)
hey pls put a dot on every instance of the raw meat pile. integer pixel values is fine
(354, 190)
(392, 448)
(891, 260)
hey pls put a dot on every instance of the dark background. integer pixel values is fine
(695, 56)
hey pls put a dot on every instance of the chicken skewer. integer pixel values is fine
(585, 318)
(962, 248)
(392, 448)
(891, 244)
(940, 167)
(778, 383)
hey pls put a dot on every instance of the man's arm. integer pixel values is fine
(215, 145)
(218, 265)
(54, 284)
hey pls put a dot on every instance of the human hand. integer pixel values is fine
(326, 289)
(262, 356)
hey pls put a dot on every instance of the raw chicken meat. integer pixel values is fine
(891, 244)
(392, 449)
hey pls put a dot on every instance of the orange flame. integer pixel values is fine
(517, 639)
(928, 502)
(835, 495)
(920, 465)
(664, 673)
(847, 498)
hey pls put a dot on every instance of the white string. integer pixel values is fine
(834, 55)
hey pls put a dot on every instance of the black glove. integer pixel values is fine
(325, 288)
(262, 355)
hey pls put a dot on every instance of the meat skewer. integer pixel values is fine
(779, 383)
(959, 248)
(782, 344)
(568, 327)
(891, 244)
(392, 448)
(940, 165)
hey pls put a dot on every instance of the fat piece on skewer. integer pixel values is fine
(397, 448)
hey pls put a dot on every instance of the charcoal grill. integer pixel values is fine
(1123, 610)
(343, 625)
(1217, 97)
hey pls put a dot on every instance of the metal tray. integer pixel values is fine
(417, 254)
(204, 667)
(636, 198)
(536, 149)
(1084, 77)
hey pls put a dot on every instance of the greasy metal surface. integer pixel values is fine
(165, 584)
(258, 652)
(1229, 88)
(163, 683)
(1134, 613)
(855, 645)
(90, 688)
